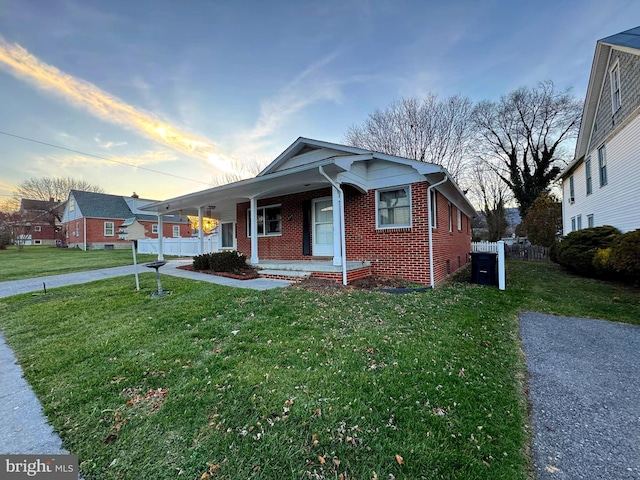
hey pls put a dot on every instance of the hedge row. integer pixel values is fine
(601, 252)
(227, 261)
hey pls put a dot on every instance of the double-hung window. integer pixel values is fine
(434, 209)
(109, 229)
(590, 222)
(269, 221)
(572, 190)
(154, 228)
(394, 207)
(602, 165)
(450, 215)
(176, 231)
(587, 170)
(616, 98)
(459, 220)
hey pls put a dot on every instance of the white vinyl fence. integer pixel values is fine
(181, 247)
(493, 247)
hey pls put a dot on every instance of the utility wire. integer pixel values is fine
(102, 158)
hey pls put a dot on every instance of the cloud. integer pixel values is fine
(20, 63)
(108, 145)
(305, 89)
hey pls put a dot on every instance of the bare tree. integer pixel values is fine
(55, 189)
(522, 135)
(240, 171)
(492, 193)
(427, 130)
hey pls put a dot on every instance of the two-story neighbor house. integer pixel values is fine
(40, 222)
(601, 186)
(100, 221)
(341, 213)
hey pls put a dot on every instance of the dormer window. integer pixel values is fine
(616, 99)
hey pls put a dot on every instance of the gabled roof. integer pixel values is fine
(102, 205)
(627, 41)
(299, 168)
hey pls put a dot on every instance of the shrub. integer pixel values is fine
(201, 262)
(625, 255)
(602, 262)
(228, 261)
(578, 249)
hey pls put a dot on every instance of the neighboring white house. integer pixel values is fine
(601, 186)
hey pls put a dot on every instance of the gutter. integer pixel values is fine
(446, 177)
(343, 240)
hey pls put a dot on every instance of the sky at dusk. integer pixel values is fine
(196, 88)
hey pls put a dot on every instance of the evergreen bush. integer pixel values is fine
(578, 249)
(227, 261)
(625, 255)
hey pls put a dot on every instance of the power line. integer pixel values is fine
(102, 158)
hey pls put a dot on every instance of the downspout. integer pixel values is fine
(343, 240)
(431, 227)
(84, 232)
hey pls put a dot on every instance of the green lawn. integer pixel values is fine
(39, 261)
(215, 382)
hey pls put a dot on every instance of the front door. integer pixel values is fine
(322, 221)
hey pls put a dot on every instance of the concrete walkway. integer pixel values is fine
(584, 389)
(23, 427)
(15, 287)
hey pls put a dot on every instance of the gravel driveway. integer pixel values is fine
(584, 390)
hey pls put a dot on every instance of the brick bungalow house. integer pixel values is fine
(339, 212)
(100, 221)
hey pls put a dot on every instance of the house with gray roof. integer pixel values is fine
(600, 186)
(100, 221)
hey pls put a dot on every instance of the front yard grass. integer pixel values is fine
(215, 382)
(39, 261)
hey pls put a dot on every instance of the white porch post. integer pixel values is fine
(254, 230)
(501, 272)
(338, 212)
(200, 232)
(160, 245)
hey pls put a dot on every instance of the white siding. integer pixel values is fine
(308, 157)
(618, 202)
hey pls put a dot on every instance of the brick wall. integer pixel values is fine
(96, 238)
(398, 252)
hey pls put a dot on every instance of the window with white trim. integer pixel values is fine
(434, 209)
(572, 190)
(154, 228)
(269, 221)
(602, 165)
(616, 98)
(459, 220)
(227, 235)
(176, 231)
(37, 228)
(573, 224)
(72, 204)
(587, 170)
(579, 222)
(590, 222)
(109, 229)
(450, 215)
(394, 207)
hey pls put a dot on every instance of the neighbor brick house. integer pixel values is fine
(100, 221)
(39, 222)
(340, 212)
(601, 185)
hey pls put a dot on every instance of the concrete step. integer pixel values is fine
(284, 274)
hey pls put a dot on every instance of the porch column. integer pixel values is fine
(200, 232)
(160, 245)
(338, 211)
(254, 230)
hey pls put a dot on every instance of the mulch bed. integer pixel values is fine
(244, 274)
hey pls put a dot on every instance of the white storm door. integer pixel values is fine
(322, 220)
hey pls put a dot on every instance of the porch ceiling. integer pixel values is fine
(225, 197)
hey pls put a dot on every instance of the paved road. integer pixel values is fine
(584, 391)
